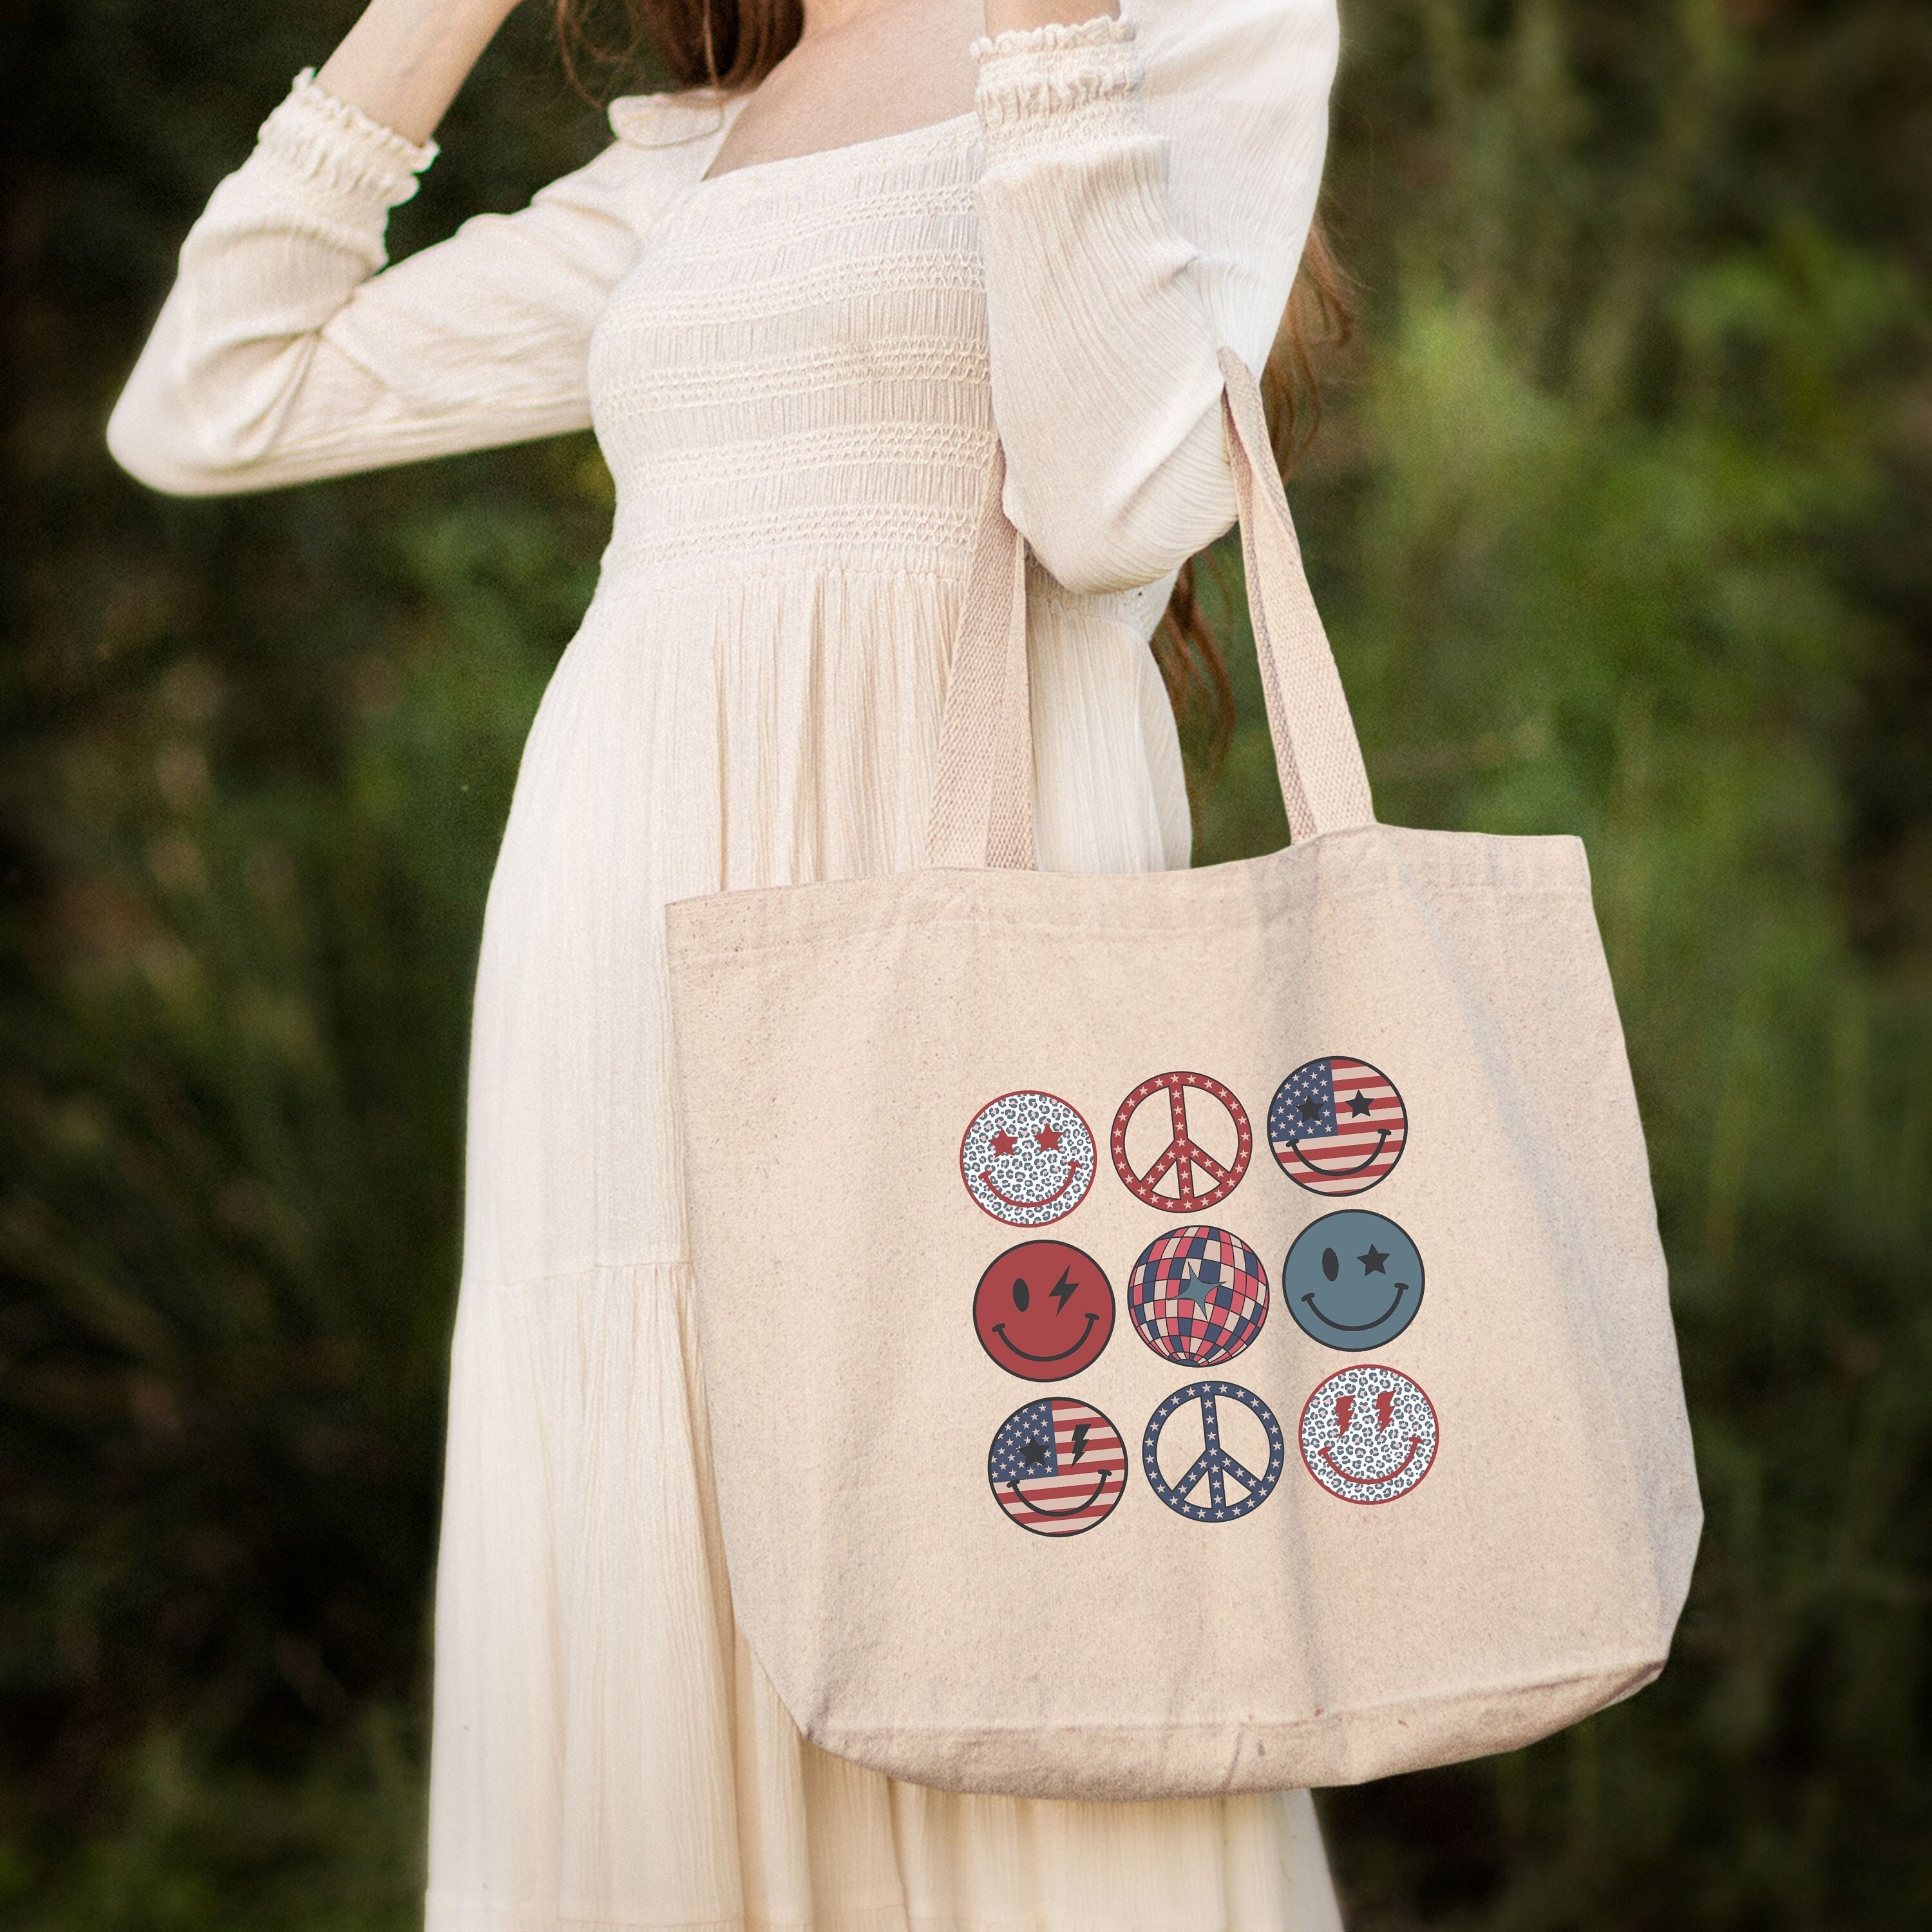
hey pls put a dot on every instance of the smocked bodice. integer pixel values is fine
(796, 373)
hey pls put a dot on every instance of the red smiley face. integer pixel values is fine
(1044, 1311)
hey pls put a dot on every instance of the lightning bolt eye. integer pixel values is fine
(1062, 1289)
(1080, 1433)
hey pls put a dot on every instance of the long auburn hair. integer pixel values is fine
(731, 45)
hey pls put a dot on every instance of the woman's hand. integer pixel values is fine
(1006, 17)
(403, 60)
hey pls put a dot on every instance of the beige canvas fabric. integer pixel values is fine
(1262, 1551)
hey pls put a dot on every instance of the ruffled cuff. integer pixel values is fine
(1054, 88)
(334, 153)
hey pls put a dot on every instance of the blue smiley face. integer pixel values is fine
(1352, 1280)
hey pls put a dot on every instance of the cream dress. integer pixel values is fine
(794, 370)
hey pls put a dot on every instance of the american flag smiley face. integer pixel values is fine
(1337, 1126)
(1057, 1467)
(1369, 1434)
(1028, 1158)
(1044, 1310)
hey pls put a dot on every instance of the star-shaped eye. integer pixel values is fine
(1004, 1143)
(1048, 1139)
(1311, 1109)
(1034, 1452)
(1371, 1262)
(1358, 1106)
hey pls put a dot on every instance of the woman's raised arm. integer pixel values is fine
(287, 351)
(403, 60)
(1149, 183)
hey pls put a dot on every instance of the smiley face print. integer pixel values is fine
(1028, 1158)
(1198, 1295)
(1368, 1434)
(1057, 1467)
(1337, 1126)
(1353, 1280)
(1044, 1310)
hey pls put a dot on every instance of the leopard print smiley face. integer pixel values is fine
(1028, 1158)
(1369, 1434)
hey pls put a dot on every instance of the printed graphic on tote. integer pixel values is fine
(1198, 1295)
(1368, 1434)
(1028, 1158)
(1044, 1310)
(1215, 1436)
(1057, 1467)
(1155, 1153)
(1352, 1279)
(1337, 1126)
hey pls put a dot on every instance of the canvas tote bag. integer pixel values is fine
(1180, 1333)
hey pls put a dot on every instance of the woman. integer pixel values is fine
(796, 305)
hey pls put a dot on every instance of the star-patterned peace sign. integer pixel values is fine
(1215, 1466)
(1183, 1166)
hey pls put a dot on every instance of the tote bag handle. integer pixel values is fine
(983, 798)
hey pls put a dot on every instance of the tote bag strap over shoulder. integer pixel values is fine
(983, 798)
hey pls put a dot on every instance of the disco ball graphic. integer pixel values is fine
(1198, 1295)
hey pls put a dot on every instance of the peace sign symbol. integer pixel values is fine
(1183, 1157)
(1214, 1465)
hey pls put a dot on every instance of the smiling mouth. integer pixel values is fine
(1371, 1482)
(1344, 1173)
(1046, 1200)
(1037, 1509)
(1360, 1327)
(1000, 1329)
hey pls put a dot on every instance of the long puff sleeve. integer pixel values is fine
(1148, 185)
(287, 351)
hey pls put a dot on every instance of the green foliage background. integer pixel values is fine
(1622, 517)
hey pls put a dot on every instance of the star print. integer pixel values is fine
(1034, 1452)
(1371, 1262)
(1311, 1110)
(1358, 1106)
(1191, 1288)
(1003, 1143)
(1048, 1138)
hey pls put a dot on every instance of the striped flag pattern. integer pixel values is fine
(1057, 1466)
(1337, 1126)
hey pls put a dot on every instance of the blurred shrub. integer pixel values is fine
(1621, 521)
(1554, 624)
(254, 760)
(1591, 539)
(230, 1118)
